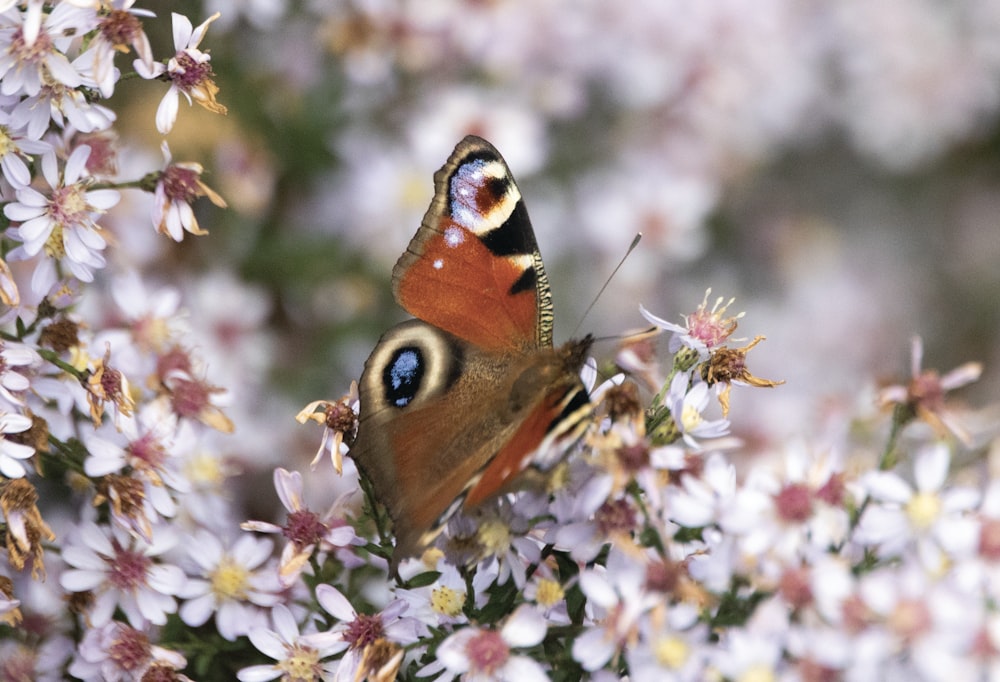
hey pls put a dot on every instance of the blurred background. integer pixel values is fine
(832, 164)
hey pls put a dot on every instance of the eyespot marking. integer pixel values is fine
(403, 375)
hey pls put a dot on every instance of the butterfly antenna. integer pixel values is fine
(593, 302)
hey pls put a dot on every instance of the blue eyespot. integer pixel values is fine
(402, 376)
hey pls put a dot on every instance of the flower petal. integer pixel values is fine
(335, 603)
(525, 627)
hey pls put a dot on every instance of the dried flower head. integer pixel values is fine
(108, 385)
(727, 365)
(26, 529)
(923, 397)
(341, 421)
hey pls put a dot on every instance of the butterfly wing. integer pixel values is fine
(445, 423)
(473, 268)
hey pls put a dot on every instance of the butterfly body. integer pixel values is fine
(457, 404)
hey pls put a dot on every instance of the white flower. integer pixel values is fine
(11, 453)
(67, 108)
(123, 572)
(618, 598)
(142, 443)
(119, 28)
(152, 317)
(443, 601)
(13, 384)
(15, 148)
(481, 654)
(574, 503)
(647, 192)
(231, 584)
(931, 515)
(687, 406)
(179, 185)
(359, 630)
(701, 499)
(116, 652)
(305, 529)
(672, 647)
(748, 655)
(34, 54)
(501, 535)
(291, 650)
(64, 224)
(189, 72)
(703, 330)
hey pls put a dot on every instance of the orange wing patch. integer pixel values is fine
(445, 286)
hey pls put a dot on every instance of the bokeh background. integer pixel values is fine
(832, 164)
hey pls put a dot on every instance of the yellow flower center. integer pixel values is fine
(447, 601)
(153, 332)
(690, 417)
(301, 665)
(229, 580)
(671, 652)
(558, 477)
(550, 592)
(54, 247)
(494, 536)
(923, 509)
(204, 470)
(757, 673)
(74, 201)
(6, 142)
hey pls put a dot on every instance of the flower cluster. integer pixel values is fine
(668, 544)
(652, 555)
(57, 65)
(109, 482)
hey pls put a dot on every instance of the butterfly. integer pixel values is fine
(459, 403)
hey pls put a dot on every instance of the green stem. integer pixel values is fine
(146, 183)
(53, 358)
(901, 416)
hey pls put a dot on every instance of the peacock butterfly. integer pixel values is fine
(458, 403)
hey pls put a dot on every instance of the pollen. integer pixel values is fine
(710, 325)
(54, 247)
(487, 652)
(757, 673)
(690, 417)
(494, 536)
(549, 593)
(615, 516)
(304, 528)
(447, 602)
(302, 663)
(130, 649)
(230, 580)
(69, 205)
(671, 652)
(129, 569)
(6, 142)
(120, 28)
(204, 470)
(33, 52)
(181, 183)
(794, 503)
(923, 509)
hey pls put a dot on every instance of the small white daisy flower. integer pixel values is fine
(124, 573)
(230, 584)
